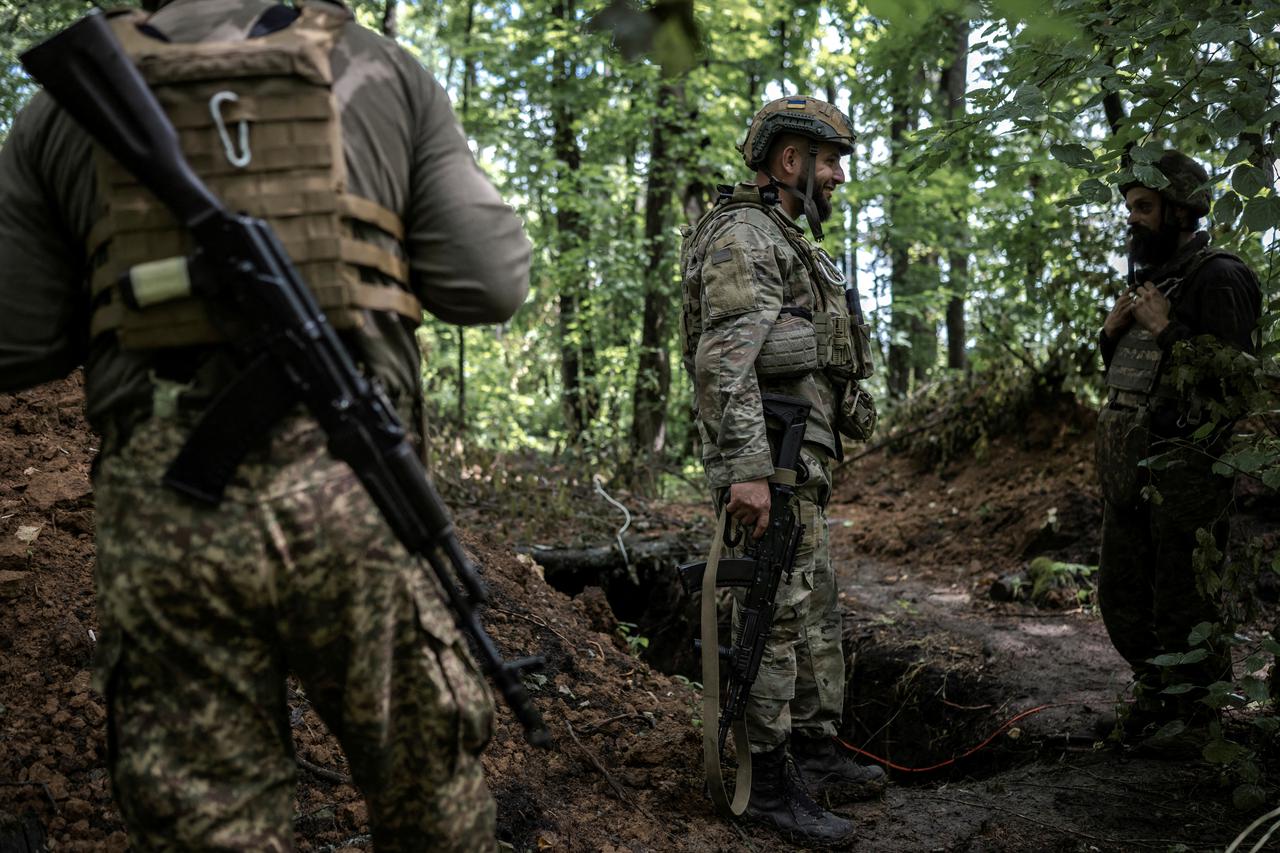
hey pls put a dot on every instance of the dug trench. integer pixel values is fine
(935, 667)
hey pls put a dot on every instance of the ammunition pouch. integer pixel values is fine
(1123, 441)
(857, 416)
(791, 349)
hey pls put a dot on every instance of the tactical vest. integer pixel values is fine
(800, 341)
(258, 121)
(1135, 380)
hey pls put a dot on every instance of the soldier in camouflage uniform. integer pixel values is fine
(1189, 292)
(204, 611)
(764, 312)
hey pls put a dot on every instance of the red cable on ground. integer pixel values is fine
(887, 763)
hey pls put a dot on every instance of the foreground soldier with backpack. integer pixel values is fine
(208, 598)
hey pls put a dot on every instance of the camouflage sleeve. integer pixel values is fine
(468, 252)
(742, 290)
(41, 302)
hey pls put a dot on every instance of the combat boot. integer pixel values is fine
(779, 799)
(831, 771)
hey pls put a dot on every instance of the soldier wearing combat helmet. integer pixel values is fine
(1183, 289)
(764, 312)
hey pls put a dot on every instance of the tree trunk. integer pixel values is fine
(576, 351)
(952, 94)
(389, 26)
(900, 319)
(653, 368)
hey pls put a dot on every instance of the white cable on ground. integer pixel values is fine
(626, 561)
(1248, 830)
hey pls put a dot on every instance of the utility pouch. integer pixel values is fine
(1124, 440)
(863, 363)
(857, 416)
(790, 350)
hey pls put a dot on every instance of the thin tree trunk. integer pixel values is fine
(468, 77)
(390, 29)
(576, 352)
(653, 369)
(953, 95)
(901, 323)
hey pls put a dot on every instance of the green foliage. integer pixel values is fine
(636, 643)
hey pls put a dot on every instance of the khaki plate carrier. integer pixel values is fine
(258, 121)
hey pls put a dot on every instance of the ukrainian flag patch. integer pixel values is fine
(797, 103)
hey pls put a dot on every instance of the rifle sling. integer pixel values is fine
(711, 697)
(233, 424)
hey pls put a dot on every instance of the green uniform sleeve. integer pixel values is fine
(742, 292)
(42, 299)
(468, 252)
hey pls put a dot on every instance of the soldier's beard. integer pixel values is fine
(823, 204)
(1152, 248)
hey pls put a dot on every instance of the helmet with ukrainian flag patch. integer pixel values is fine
(806, 116)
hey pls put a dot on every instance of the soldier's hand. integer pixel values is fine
(1120, 317)
(1151, 308)
(749, 505)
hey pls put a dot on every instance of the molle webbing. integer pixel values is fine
(347, 248)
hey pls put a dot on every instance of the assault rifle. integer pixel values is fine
(764, 562)
(289, 352)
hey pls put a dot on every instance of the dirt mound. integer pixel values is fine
(1024, 494)
(626, 749)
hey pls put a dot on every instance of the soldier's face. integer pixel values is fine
(828, 174)
(1153, 237)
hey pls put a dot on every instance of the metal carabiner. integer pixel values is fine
(241, 159)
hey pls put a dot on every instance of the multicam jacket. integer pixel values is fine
(745, 288)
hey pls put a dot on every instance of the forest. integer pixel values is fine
(983, 227)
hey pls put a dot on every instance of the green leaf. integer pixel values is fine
(1250, 459)
(1243, 151)
(1248, 180)
(1255, 689)
(1150, 176)
(1195, 655)
(1226, 208)
(1270, 644)
(1095, 191)
(1178, 689)
(1246, 798)
(1200, 633)
(1268, 725)
(1271, 478)
(1072, 155)
(1221, 751)
(1146, 154)
(1262, 213)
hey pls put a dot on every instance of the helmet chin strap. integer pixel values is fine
(806, 197)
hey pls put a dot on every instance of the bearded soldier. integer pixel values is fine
(351, 151)
(1187, 291)
(765, 312)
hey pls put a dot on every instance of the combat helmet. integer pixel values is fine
(808, 117)
(1188, 182)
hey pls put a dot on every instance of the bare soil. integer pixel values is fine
(936, 667)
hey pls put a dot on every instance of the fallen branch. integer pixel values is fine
(323, 772)
(594, 727)
(604, 557)
(608, 777)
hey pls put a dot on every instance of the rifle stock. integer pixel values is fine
(277, 326)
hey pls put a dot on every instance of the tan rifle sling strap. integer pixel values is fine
(258, 121)
(711, 683)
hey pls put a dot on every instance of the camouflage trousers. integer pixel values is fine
(800, 684)
(1146, 577)
(204, 612)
